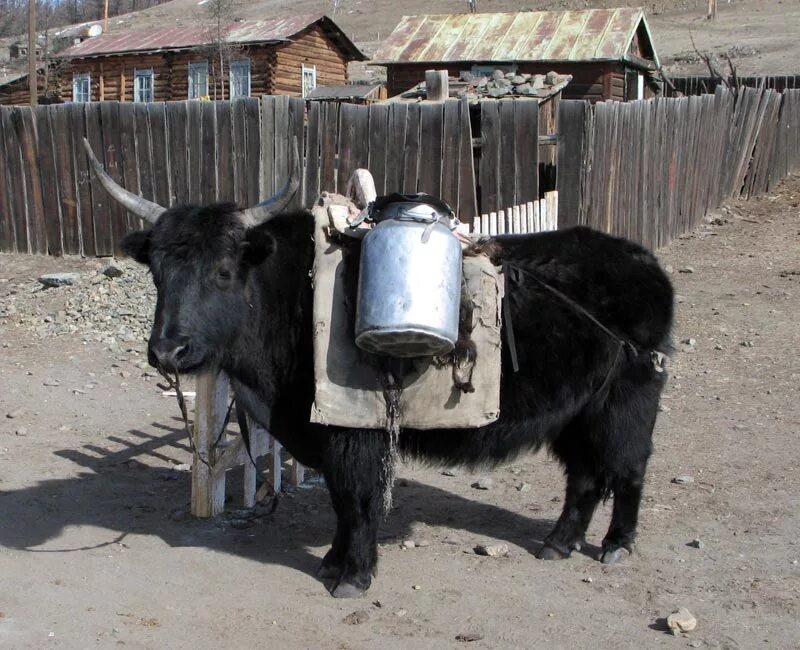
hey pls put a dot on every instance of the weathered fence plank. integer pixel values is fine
(45, 150)
(8, 241)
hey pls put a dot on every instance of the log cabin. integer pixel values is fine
(274, 56)
(609, 53)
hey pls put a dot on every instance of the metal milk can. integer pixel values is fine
(409, 285)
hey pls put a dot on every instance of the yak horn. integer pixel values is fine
(274, 205)
(134, 203)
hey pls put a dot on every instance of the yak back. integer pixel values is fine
(617, 281)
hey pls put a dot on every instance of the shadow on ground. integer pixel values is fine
(119, 492)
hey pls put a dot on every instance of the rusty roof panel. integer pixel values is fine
(172, 38)
(592, 34)
(569, 30)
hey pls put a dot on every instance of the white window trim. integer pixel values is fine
(197, 65)
(249, 77)
(142, 72)
(303, 70)
(76, 78)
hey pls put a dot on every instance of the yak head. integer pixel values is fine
(199, 258)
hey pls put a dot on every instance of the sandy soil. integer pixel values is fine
(92, 553)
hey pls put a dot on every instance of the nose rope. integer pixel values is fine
(175, 384)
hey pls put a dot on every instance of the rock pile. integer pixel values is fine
(500, 84)
(112, 305)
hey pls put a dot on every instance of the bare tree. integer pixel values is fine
(220, 14)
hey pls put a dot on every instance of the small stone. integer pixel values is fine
(409, 543)
(683, 480)
(15, 413)
(663, 408)
(124, 374)
(587, 580)
(416, 587)
(718, 347)
(697, 543)
(21, 431)
(483, 484)
(524, 487)
(689, 341)
(423, 543)
(51, 382)
(469, 637)
(695, 644)
(400, 613)
(59, 279)
(450, 472)
(669, 269)
(686, 269)
(111, 271)
(491, 550)
(681, 620)
(240, 524)
(551, 78)
(746, 344)
(497, 75)
(357, 617)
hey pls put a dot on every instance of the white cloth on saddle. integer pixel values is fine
(348, 390)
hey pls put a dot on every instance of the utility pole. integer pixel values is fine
(105, 17)
(32, 81)
(712, 9)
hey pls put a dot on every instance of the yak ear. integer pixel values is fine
(137, 245)
(257, 246)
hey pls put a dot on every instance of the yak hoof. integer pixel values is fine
(348, 590)
(548, 552)
(614, 555)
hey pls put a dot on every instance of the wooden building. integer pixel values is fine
(609, 53)
(275, 56)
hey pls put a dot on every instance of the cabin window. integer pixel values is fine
(309, 77)
(240, 78)
(81, 87)
(143, 85)
(198, 80)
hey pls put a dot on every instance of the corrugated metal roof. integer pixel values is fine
(173, 38)
(589, 35)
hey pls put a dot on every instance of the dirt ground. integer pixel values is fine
(93, 554)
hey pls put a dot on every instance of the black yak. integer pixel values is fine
(591, 315)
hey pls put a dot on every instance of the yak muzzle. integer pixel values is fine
(168, 353)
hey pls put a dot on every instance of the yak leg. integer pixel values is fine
(583, 494)
(618, 541)
(356, 472)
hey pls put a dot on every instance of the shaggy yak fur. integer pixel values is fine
(240, 299)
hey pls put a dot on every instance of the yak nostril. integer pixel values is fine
(169, 354)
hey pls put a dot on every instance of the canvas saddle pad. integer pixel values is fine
(348, 390)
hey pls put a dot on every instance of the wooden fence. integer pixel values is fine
(702, 85)
(177, 153)
(650, 170)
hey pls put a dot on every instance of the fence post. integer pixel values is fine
(570, 154)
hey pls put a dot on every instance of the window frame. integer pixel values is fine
(196, 66)
(239, 63)
(303, 70)
(142, 73)
(79, 77)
